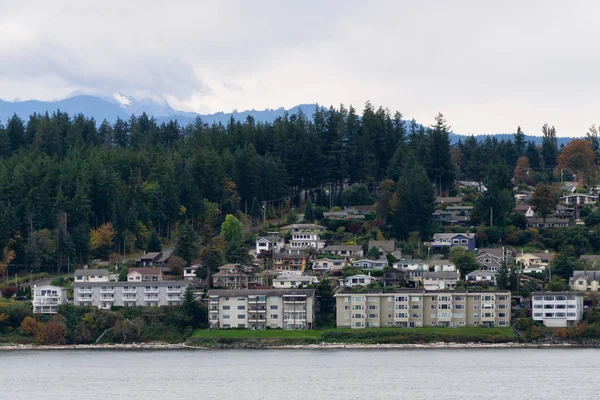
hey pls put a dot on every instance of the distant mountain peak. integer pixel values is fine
(121, 99)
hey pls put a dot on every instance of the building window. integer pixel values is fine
(226, 316)
(241, 307)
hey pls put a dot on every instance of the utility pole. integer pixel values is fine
(491, 216)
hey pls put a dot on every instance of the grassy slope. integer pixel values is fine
(280, 334)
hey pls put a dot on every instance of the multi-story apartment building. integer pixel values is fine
(47, 299)
(235, 276)
(418, 308)
(305, 236)
(289, 262)
(259, 309)
(105, 295)
(557, 309)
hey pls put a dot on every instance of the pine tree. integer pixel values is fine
(439, 162)
(121, 133)
(520, 143)
(187, 244)
(309, 212)
(549, 147)
(154, 243)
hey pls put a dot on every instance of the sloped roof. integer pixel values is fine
(387, 245)
(91, 272)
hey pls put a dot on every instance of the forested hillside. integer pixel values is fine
(62, 176)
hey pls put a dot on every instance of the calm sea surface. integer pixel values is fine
(546, 374)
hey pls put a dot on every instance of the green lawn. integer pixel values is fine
(281, 334)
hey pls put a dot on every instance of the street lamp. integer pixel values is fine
(30, 282)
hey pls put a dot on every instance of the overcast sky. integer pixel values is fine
(487, 66)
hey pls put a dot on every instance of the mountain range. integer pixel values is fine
(123, 106)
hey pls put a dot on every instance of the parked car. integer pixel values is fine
(21, 298)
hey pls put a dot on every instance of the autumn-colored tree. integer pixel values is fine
(7, 256)
(4, 322)
(56, 331)
(176, 264)
(102, 239)
(560, 333)
(522, 169)
(29, 326)
(544, 199)
(578, 157)
(9, 291)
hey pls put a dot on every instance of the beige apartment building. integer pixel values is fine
(419, 308)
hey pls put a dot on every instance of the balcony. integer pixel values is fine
(129, 290)
(129, 298)
(150, 298)
(173, 290)
(84, 290)
(214, 309)
(174, 298)
(85, 298)
(256, 300)
(257, 318)
(107, 298)
(151, 290)
(107, 290)
(255, 310)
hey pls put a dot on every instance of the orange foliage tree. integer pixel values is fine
(102, 239)
(578, 157)
(522, 169)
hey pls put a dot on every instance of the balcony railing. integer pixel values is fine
(173, 290)
(129, 298)
(84, 290)
(174, 298)
(129, 290)
(150, 298)
(152, 290)
(107, 298)
(107, 290)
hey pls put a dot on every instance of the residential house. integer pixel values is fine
(106, 295)
(235, 276)
(480, 187)
(592, 260)
(447, 200)
(358, 280)
(385, 247)
(290, 262)
(442, 280)
(262, 309)
(394, 278)
(293, 281)
(585, 281)
(271, 242)
(347, 251)
(412, 267)
(557, 309)
(524, 209)
(449, 240)
(361, 210)
(305, 236)
(47, 299)
(328, 264)
(491, 259)
(417, 308)
(458, 210)
(154, 259)
(442, 217)
(441, 265)
(579, 199)
(145, 274)
(563, 212)
(480, 276)
(92, 275)
(369, 264)
(540, 223)
(342, 215)
(534, 262)
(189, 272)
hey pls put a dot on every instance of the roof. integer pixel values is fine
(274, 238)
(479, 272)
(164, 256)
(452, 235)
(588, 275)
(521, 207)
(261, 292)
(91, 272)
(360, 276)
(539, 255)
(136, 284)
(493, 251)
(338, 247)
(448, 199)
(302, 226)
(590, 257)
(365, 208)
(310, 278)
(427, 292)
(58, 287)
(150, 256)
(459, 208)
(441, 274)
(230, 266)
(229, 273)
(387, 245)
(335, 213)
(146, 270)
(557, 293)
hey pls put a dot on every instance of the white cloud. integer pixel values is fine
(487, 66)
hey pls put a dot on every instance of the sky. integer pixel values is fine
(487, 66)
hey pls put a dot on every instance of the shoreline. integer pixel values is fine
(321, 346)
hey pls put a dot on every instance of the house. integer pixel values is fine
(525, 210)
(458, 210)
(358, 280)
(563, 212)
(442, 217)
(189, 273)
(305, 236)
(449, 240)
(442, 280)
(447, 200)
(540, 223)
(557, 309)
(479, 276)
(385, 247)
(262, 308)
(293, 281)
(592, 260)
(235, 276)
(335, 215)
(366, 263)
(271, 242)
(585, 281)
(480, 187)
(347, 251)
(92, 275)
(441, 265)
(328, 264)
(534, 262)
(47, 299)
(145, 274)
(413, 268)
(361, 210)
(491, 259)
(154, 259)
(579, 199)
(295, 262)
(394, 278)
(106, 295)
(411, 308)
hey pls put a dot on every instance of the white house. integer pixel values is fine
(328, 264)
(358, 280)
(557, 309)
(145, 274)
(585, 281)
(442, 280)
(479, 276)
(534, 262)
(293, 281)
(189, 273)
(47, 298)
(92, 275)
(305, 236)
(271, 242)
(366, 263)
(579, 199)
(441, 265)
(412, 267)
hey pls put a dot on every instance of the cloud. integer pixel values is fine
(487, 66)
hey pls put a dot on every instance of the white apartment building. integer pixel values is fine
(105, 295)
(417, 308)
(259, 309)
(557, 309)
(47, 299)
(293, 281)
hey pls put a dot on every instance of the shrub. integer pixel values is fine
(9, 291)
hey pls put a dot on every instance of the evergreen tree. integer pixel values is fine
(520, 143)
(154, 243)
(439, 162)
(187, 243)
(309, 212)
(549, 147)
(534, 157)
(120, 133)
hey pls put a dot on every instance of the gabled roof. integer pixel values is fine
(441, 274)
(147, 271)
(453, 235)
(339, 247)
(150, 256)
(548, 255)
(447, 200)
(590, 257)
(587, 275)
(480, 272)
(386, 245)
(91, 272)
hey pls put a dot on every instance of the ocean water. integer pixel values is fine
(548, 374)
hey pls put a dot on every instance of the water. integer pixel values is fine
(547, 374)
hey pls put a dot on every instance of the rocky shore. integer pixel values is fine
(319, 346)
